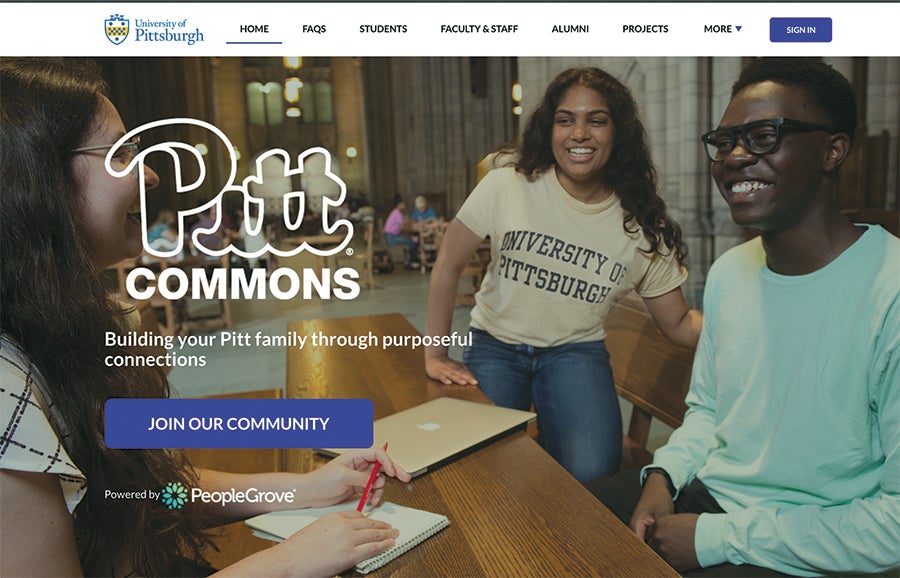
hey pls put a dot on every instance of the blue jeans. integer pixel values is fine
(572, 390)
(412, 253)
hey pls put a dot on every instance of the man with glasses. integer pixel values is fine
(788, 461)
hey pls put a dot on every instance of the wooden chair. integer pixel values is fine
(170, 325)
(472, 275)
(649, 371)
(220, 316)
(430, 237)
(469, 283)
(395, 252)
(149, 323)
(362, 260)
(177, 318)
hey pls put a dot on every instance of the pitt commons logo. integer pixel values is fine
(288, 205)
(116, 28)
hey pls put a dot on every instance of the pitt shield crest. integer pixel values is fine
(116, 28)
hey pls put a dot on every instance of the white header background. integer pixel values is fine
(859, 29)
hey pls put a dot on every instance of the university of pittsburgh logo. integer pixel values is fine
(116, 28)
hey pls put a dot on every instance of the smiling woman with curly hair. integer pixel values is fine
(574, 224)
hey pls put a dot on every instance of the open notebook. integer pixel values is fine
(414, 525)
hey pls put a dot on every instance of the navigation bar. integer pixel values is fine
(475, 29)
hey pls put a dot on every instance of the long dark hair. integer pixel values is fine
(629, 171)
(56, 307)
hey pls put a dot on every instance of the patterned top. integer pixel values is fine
(29, 442)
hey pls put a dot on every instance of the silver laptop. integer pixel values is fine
(428, 435)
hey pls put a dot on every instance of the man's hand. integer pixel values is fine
(655, 502)
(673, 538)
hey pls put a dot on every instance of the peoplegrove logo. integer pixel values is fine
(176, 495)
(235, 283)
(248, 496)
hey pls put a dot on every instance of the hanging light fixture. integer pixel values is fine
(292, 62)
(292, 88)
(517, 98)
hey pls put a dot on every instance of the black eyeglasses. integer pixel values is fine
(760, 137)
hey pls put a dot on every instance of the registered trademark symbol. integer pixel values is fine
(349, 251)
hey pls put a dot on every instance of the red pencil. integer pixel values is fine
(372, 476)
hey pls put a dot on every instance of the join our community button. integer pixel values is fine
(239, 423)
(800, 30)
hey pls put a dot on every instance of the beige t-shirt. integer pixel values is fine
(557, 265)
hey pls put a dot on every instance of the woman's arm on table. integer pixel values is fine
(331, 544)
(38, 537)
(324, 548)
(457, 249)
(338, 480)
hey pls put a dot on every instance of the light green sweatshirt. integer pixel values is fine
(793, 418)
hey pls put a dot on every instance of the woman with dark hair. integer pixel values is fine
(65, 219)
(575, 224)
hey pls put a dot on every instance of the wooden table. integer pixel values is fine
(235, 541)
(513, 510)
(393, 378)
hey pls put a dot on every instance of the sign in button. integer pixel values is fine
(239, 423)
(800, 30)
